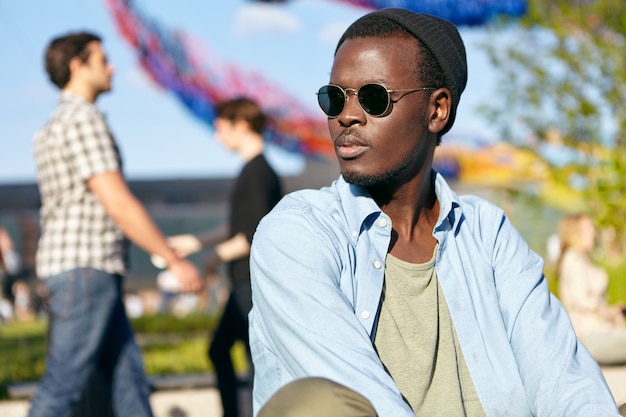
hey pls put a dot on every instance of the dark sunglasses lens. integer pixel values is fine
(331, 100)
(374, 99)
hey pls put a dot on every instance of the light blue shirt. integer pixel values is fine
(317, 266)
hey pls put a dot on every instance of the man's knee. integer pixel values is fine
(314, 397)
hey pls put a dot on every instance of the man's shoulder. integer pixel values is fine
(259, 168)
(471, 205)
(305, 213)
(477, 205)
(320, 206)
(481, 217)
(66, 118)
(69, 111)
(315, 199)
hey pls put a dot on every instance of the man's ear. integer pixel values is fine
(242, 125)
(440, 106)
(75, 64)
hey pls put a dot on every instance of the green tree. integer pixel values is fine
(563, 87)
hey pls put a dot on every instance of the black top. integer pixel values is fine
(256, 191)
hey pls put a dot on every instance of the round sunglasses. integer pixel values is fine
(374, 99)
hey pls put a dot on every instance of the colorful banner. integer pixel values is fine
(199, 82)
(459, 12)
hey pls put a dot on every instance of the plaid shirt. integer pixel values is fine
(76, 231)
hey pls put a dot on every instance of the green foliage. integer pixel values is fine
(563, 84)
(170, 346)
(617, 282)
(22, 352)
(169, 323)
(187, 355)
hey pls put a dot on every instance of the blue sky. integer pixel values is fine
(290, 43)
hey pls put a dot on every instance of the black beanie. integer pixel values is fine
(444, 41)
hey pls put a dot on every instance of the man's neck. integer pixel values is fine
(414, 209)
(82, 92)
(251, 148)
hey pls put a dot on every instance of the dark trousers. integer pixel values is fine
(233, 326)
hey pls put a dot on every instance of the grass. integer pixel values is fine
(170, 345)
(617, 282)
(22, 353)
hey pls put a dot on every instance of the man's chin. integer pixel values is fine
(360, 179)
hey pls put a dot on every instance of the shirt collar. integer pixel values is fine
(359, 205)
(448, 204)
(70, 97)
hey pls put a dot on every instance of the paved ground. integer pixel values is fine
(191, 402)
(205, 402)
(616, 378)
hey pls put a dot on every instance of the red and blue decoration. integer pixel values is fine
(459, 12)
(200, 82)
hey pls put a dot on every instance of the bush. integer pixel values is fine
(22, 353)
(169, 323)
(170, 345)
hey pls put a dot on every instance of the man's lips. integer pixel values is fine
(348, 147)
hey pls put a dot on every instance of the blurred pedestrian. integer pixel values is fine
(239, 126)
(87, 215)
(10, 265)
(583, 291)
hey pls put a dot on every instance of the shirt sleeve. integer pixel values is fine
(560, 376)
(90, 148)
(302, 324)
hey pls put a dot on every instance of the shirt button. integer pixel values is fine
(377, 265)
(365, 315)
(354, 235)
(382, 222)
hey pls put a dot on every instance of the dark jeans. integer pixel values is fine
(89, 330)
(233, 326)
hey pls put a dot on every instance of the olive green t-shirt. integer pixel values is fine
(417, 343)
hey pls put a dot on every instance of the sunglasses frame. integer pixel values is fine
(355, 91)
